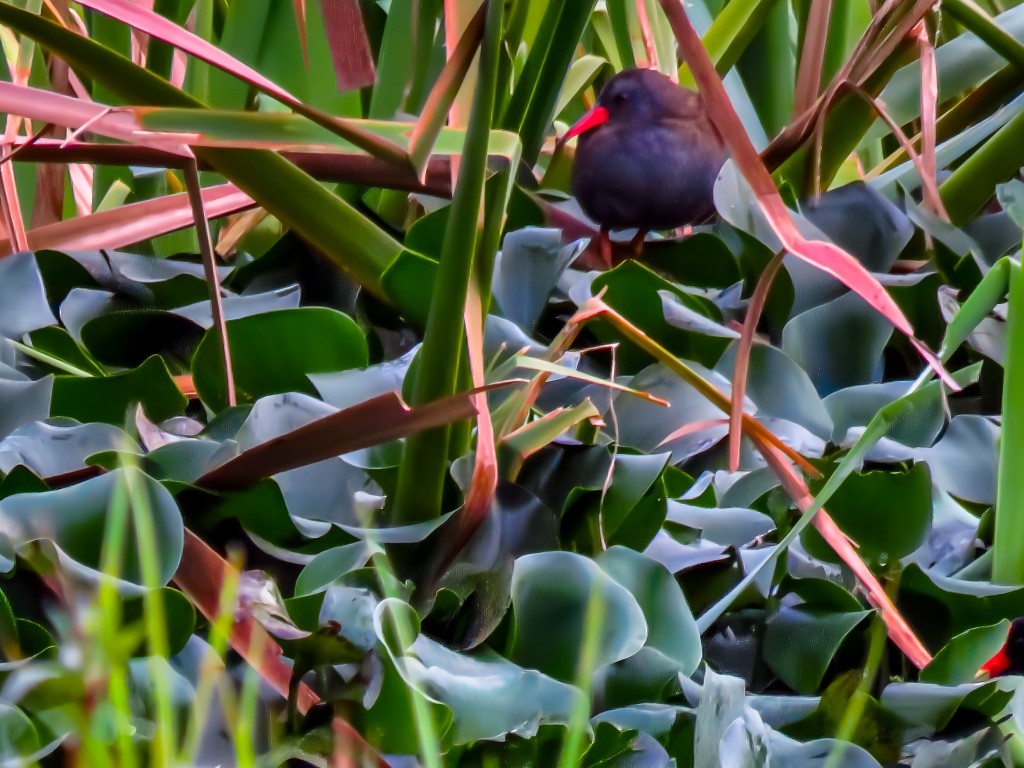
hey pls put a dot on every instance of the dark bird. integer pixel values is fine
(647, 157)
(1010, 659)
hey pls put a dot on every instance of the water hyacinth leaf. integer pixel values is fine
(59, 446)
(111, 398)
(526, 271)
(961, 658)
(72, 522)
(19, 738)
(632, 290)
(268, 361)
(634, 478)
(793, 655)
(672, 630)
(23, 402)
(932, 706)
(550, 596)
(517, 523)
(344, 389)
(838, 344)
(515, 701)
(853, 407)
(728, 526)
(862, 221)
(320, 493)
(644, 425)
(888, 514)
(331, 564)
(236, 307)
(963, 462)
(780, 388)
(67, 355)
(958, 604)
(26, 307)
(721, 702)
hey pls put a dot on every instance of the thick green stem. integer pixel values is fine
(1008, 545)
(424, 469)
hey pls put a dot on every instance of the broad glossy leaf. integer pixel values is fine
(963, 461)
(22, 297)
(552, 594)
(59, 446)
(23, 402)
(632, 290)
(799, 643)
(961, 658)
(514, 701)
(516, 524)
(932, 706)
(645, 426)
(673, 642)
(112, 398)
(838, 344)
(526, 272)
(273, 353)
(72, 521)
(853, 407)
(780, 388)
(721, 702)
(888, 514)
(728, 526)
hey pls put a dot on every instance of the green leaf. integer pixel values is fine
(839, 344)
(18, 735)
(58, 447)
(69, 525)
(110, 398)
(632, 290)
(799, 643)
(514, 701)
(550, 596)
(22, 296)
(961, 658)
(672, 631)
(888, 514)
(273, 353)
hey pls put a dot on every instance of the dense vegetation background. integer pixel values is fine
(321, 444)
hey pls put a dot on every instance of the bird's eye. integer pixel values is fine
(620, 98)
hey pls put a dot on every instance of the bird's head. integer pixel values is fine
(641, 97)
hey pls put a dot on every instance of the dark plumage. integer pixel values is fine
(647, 156)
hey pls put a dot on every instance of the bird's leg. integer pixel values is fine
(604, 246)
(636, 245)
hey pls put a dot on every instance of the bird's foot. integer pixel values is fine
(636, 245)
(605, 248)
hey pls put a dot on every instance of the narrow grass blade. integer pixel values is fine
(133, 223)
(812, 55)
(742, 364)
(195, 198)
(379, 420)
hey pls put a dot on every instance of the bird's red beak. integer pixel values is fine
(595, 117)
(998, 664)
